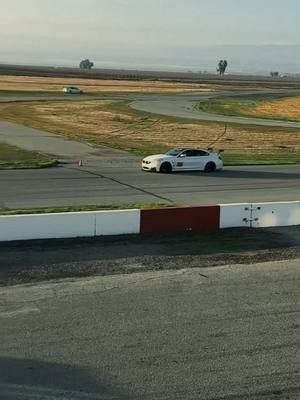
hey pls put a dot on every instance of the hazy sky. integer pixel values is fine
(144, 32)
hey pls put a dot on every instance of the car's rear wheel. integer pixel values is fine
(165, 168)
(210, 167)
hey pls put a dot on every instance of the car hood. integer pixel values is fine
(156, 157)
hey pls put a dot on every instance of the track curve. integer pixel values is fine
(180, 105)
(183, 106)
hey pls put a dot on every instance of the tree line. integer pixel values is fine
(221, 68)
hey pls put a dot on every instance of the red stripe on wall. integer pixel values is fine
(180, 219)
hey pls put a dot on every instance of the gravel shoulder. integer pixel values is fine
(26, 262)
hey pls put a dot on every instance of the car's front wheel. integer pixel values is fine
(210, 167)
(165, 168)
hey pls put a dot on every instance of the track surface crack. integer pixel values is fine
(128, 185)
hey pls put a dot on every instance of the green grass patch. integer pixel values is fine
(12, 157)
(228, 106)
(280, 158)
(53, 210)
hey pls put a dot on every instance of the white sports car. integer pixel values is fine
(183, 160)
(72, 90)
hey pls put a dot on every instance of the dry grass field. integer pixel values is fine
(287, 108)
(48, 84)
(115, 124)
(283, 108)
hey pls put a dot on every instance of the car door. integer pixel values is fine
(193, 160)
(200, 159)
(184, 160)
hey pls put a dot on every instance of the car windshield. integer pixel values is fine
(174, 152)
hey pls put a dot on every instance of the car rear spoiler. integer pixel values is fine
(220, 151)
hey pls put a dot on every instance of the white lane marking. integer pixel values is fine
(14, 313)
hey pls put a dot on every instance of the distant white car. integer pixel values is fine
(72, 90)
(183, 159)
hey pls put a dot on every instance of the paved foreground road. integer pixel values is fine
(119, 180)
(214, 333)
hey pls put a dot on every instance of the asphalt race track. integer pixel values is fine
(107, 184)
(183, 106)
(228, 333)
(113, 177)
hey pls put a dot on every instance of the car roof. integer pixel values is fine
(189, 148)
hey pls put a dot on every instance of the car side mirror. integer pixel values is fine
(182, 156)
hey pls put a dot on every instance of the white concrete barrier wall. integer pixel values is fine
(47, 226)
(233, 215)
(69, 225)
(260, 215)
(276, 214)
(119, 222)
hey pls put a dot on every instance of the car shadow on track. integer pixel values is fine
(32, 379)
(236, 174)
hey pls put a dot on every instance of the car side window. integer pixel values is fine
(190, 153)
(194, 153)
(201, 153)
(183, 154)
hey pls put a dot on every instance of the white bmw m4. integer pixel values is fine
(183, 159)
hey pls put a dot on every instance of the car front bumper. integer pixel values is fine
(150, 166)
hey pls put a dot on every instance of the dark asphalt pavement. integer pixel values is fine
(227, 333)
(119, 180)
